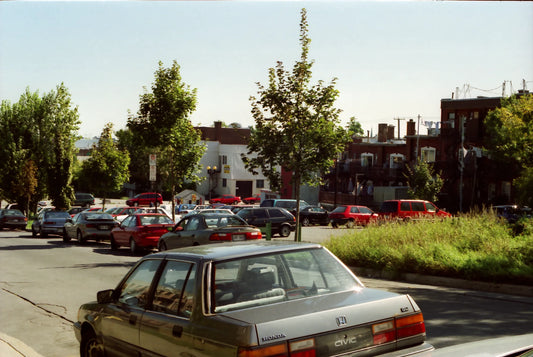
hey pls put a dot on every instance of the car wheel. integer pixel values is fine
(66, 237)
(80, 237)
(33, 232)
(90, 346)
(284, 231)
(42, 234)
(114, 245)
(350, 223)
(334, 225)
(162, 247)
(305, 222)
(134, 248)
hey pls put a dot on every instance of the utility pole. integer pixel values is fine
(417, 137)
(398, 119)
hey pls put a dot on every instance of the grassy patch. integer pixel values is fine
(475, 246)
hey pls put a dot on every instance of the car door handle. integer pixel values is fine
(177, 331)
(133, 319)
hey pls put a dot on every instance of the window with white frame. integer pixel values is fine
(428, 154)
(367, 160)
(396, 161)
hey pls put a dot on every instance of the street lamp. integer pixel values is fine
(210, 171)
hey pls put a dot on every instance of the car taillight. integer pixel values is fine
(301, 348)
(220, 237)
(398, 328)
(90, 225)
(254, 235)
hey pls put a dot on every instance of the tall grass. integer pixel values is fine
(471, 246)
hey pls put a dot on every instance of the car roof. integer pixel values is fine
(224, 251)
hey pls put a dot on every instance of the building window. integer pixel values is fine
(367, 160)
(396, 161)
(224, 159)
(428, 154)
(224, 182)
(260, 183)
(451, 116)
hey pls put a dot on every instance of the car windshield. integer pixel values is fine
(339, 209)
(153, 219)
(57, 214)
(387, 207)
(216, 221)
(267, 279)
(97, 216)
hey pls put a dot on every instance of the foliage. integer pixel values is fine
(163, 127)
(471, 246)
(296, 124)
(355, 127)
(509, 137)
(423, 183)
(40, 130)
(107, 168)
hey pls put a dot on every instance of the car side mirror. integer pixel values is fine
(105, 296)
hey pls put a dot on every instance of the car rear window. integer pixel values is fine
(268, 279)
(339, 209)
(57, 214)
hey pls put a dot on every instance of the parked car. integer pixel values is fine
(252, 199)
(226, 200)
(160, 210)
(140, 231)
(206, 228)
(505, 346)
(119, 213)
(75, 210)
(248, 299)
(145, 199)
(88, 225)
(49, 222)
(288, 204)
(314, 215)
(351, 215)
(12, 219)
(83, 199)
(405, 210)
(282, 221)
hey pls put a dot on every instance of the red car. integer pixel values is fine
(251, 200)
(351, 216)
(145, 199)
(226, 199)
(140, 231)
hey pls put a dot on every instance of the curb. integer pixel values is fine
(12, 347)
(509, 289)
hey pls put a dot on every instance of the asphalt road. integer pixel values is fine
(43, 282)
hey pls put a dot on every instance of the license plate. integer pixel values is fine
(239, 237)
(103, 227)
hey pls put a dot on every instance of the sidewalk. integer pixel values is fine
(12, 347)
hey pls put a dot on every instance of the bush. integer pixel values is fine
(471, 246)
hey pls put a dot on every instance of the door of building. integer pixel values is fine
(244, 189)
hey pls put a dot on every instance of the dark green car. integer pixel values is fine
(259, 298)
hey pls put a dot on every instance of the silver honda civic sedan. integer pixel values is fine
(258, 298)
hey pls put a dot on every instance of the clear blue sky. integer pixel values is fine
(392, 59)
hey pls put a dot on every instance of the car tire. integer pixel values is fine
(42, 234)
(334, 225)
(284, 230)
(350, 223)
(66, 237)
(162, 247)
(33, 232)
(305, 222)
(114, 245)
(134, 248)
(80, 237)
(90, 346)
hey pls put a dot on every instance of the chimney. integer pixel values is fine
(411, 127)
(390, 132)
(218, 130)
(382, 133)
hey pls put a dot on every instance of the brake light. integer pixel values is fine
(220, 237)
(398, 328)
(270, 351)
(254, 235)
(303, 348)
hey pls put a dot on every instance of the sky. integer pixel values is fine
(394, 59)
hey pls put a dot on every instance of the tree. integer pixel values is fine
(297, 126)
(39, 132)
(355, 128)
(423, 183)
(107, 168)
(509, 138)
(163, 126)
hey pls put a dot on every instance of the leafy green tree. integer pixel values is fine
(355, 127)
(41, 130)
(163, 126)
(297, 125)
(423, 183)
(107, 168)
(509, 137)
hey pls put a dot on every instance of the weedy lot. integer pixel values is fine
(472, 246)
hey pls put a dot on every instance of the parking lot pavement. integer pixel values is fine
(12, 347)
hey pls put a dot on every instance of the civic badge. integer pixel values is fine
(341, 321)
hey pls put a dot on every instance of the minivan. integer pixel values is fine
(288, 204)
(145, 199)
(410, 209)
(283, 222)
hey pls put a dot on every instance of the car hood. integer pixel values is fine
(313, 315)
